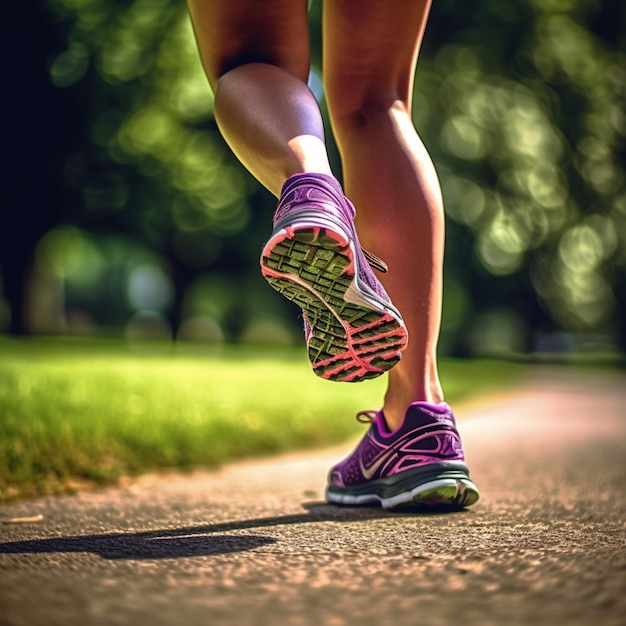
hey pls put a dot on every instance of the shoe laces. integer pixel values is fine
(367, 416)
(376, 262)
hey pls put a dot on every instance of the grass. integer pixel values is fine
(75, 413)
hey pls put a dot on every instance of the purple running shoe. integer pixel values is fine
(313, 258)
(420, 464)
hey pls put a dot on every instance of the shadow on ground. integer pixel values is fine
(195, 541)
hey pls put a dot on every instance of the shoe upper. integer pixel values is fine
(321, 191)
(428, 434)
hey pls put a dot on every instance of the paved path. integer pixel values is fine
(255, 544)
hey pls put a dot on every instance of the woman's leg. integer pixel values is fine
(256, 56)
(370, 54)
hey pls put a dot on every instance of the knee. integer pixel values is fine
(353, 103)
(375, 110)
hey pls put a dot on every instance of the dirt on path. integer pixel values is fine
(254, 543)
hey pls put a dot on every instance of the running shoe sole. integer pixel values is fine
(355, 334)
(444, 485)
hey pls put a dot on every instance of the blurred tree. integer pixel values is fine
(125, 144)
(152, 164)
(522, 106)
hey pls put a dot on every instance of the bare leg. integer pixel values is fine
(370, 54)
(256, 55)
(259, 53)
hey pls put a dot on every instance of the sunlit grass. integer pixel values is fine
(77, 412)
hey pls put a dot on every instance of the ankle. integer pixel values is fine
(393, 419)
(398, 399)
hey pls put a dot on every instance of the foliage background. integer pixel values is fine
(124, 213)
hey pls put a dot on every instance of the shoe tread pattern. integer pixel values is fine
(314, 268)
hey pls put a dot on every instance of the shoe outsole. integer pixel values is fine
(444, 494)
(441, 485)
(353, 336)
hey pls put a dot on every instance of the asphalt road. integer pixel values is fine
(254, 543)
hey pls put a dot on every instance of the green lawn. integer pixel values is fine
(78, 412)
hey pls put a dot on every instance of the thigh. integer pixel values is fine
(370, 50)
(234, 32)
